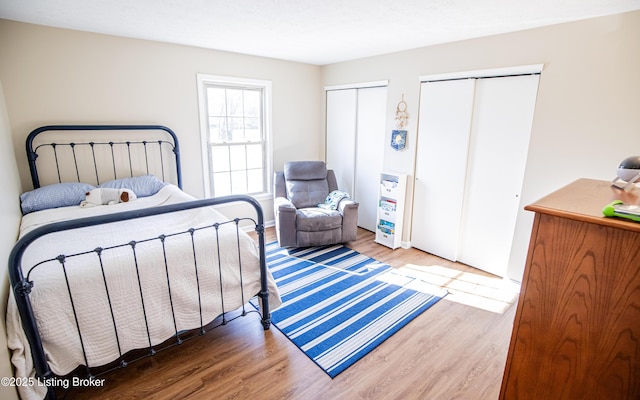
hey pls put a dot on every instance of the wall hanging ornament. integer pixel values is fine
(399, 135)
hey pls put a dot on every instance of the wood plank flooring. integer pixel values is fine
(455, 350)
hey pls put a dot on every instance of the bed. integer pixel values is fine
(95, 288)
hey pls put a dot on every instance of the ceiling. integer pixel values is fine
(310, 31)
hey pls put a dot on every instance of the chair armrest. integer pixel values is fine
(346, 205)
(349, 211)
(285, 218)
(283, 204)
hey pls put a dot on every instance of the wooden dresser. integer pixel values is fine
(576, 333)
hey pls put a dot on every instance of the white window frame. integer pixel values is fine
(205, 80)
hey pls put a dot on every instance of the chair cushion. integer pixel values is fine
(305, 170)
(317, 219)
(307, 193)
(306, 183)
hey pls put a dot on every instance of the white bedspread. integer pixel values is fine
(51, 304)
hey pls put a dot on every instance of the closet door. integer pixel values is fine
(501, 128)
(356, 122)
(473, 141)
(341, 126)
(372, 109)
(441, 165)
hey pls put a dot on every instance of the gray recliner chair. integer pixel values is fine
(298, 190)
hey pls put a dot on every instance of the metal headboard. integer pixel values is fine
(124, 151)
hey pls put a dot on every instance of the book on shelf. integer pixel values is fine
(388, 184)
(388, 205)
(386, 226)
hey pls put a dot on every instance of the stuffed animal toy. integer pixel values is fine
(107, 196)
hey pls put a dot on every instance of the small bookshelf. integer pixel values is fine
(390, 216)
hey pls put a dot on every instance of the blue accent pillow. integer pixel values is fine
(142, 186)
(54, 196)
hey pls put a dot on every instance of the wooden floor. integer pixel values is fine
(455, 350)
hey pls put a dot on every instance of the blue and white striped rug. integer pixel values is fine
(339, 304)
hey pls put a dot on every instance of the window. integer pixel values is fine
(235, 135)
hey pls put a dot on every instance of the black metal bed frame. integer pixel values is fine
(22, 285)
(32, 149)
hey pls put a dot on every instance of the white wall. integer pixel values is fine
(10, 219)
(586, 118)
(61, 76)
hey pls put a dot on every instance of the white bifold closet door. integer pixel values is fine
(356, 121)
(473, 141)
(445, 114)
(501, 129)
(342, 114)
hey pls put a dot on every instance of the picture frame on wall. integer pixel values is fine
(398, 139)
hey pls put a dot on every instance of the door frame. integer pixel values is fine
(484, 73)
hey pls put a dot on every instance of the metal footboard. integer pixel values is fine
(22, 285)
